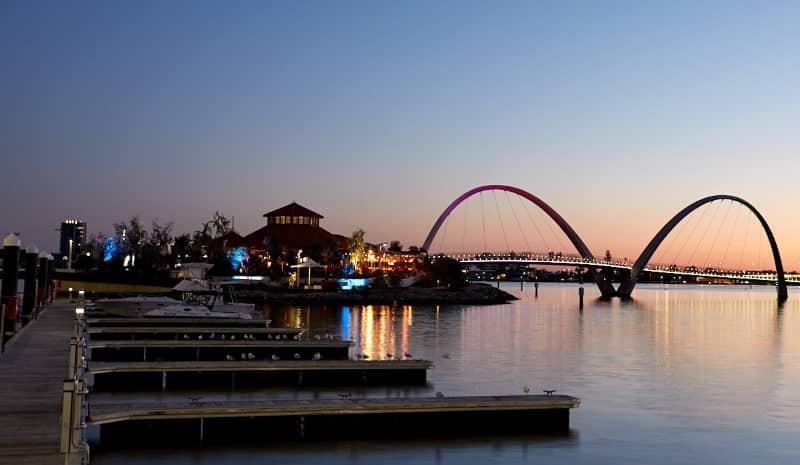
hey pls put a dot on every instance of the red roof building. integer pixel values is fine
(291, 227)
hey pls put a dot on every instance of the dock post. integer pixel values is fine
(73, 356)
(11, 245)
(68, 391)
(580, 296)
(2, 328)
(536, 289)
(41, 290)
(521, 282)
(29, 293)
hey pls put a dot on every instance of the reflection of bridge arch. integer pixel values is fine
(626, 287)
(605, 286)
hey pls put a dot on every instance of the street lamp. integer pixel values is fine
(69, 261)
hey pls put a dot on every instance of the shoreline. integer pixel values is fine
(471, 294)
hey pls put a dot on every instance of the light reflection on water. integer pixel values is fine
(686, 374)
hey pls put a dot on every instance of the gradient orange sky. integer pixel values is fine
(379, 115)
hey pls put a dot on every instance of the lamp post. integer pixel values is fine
(69, 260)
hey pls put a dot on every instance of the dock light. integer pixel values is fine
(79, 311)
(81, 293)
(70, 290)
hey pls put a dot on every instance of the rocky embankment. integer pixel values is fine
(472, 294)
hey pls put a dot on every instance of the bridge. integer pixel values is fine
(602, 270)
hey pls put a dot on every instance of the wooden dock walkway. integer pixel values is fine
(196, 422)
(230, 375)
(165, 321)
(138, 333)
(197, 350)
(32, 372)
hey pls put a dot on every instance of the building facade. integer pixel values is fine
(73, 238)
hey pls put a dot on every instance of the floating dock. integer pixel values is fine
(188, 322)
(197, 422)
(206, 350)
(232, 375)
(175, 333)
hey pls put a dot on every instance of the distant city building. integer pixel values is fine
(75, 231)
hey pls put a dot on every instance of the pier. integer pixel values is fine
(47, 414)
(32, 372)
(135, 333)
(141, 376)
(222, 423)
(205, 350)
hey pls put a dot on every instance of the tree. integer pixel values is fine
(132, 237)
(357, 249)
(219, 224)
(395, 246)
(608, 255)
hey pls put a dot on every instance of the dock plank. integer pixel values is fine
(107, 413)
(32, 371)
(287, 365)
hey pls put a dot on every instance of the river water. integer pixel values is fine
(682, 374)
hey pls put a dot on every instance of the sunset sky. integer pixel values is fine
(378, 114)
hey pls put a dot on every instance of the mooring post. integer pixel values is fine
(580, 296)
(2, 328)
(51, 282)
(11, 245)
(521, 282)
(29, 293)
(41, 282)
(536, 288)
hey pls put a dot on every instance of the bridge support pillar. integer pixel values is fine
(603, 280)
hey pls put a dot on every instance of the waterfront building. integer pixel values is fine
(294, 230)
(72, 240)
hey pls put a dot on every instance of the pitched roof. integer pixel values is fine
(293, 209)
(292, 236)
(229, 239)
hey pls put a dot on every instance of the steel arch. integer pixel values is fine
(606, 288)
(571, 234)
(627, 286)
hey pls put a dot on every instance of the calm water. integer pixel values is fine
(681, 375)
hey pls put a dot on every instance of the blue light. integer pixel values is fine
(344, 323)
(347, 284)
(237, 257)
(110, 248)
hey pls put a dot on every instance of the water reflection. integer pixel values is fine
(660, 377)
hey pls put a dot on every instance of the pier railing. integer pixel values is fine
(74, 406)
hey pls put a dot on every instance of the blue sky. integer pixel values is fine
(378, 114)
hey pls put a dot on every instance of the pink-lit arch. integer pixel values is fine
(571, 234)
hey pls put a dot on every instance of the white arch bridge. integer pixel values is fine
(603, 271)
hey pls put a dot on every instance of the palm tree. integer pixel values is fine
(357, 249)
